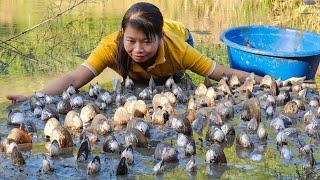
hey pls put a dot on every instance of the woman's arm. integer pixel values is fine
(220, 70)
(78, 78)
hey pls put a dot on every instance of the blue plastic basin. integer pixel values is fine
(281, 53)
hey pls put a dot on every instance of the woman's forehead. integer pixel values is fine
(136, 33)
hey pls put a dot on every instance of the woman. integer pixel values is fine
(145, 46)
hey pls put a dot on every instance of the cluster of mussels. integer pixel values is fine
(129, 118)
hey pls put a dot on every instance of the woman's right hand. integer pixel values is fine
(15, 98)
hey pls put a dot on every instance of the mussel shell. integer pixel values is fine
(140, 124)
(215, 155)
(19, 136)
(63, 107)
(201, 90)
(146, 94)
(50, 125)
(94, 166)
(169, 82)
(29, 127)
(277, 123)
(101, 125)
(88, 112)
(215, 134)
(228, 129)
(135, 138)
(215, 118)
(16, 157)
(122, 168)
(47, 165)
(137, 108)
(37, 111)
(198, 123)
(252, 125)
(121, 116)
(290, 108)
(166, 152)
(76, 101)
(83, 151)
(262, 132)
(244, 140)
(182, 140)
(15, 118)
(282, 138)
(34, 102)
(252, 106)
(63, 137)
(48, 112)
(160, 116)
(105, 97)
(111, 145)
(181, 126)
(73, 121)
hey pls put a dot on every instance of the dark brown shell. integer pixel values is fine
(19, 136)
(252, 106)
(16, 157)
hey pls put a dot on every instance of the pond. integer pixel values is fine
(29, 61)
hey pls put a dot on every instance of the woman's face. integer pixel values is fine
(138, 46)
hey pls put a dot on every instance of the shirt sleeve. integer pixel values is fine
(104, 55)
(197, 62)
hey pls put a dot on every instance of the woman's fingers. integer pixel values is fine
(14, 98)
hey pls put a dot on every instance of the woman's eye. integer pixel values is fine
(130, 41)
(147, 42)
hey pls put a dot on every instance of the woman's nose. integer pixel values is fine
(138, 48)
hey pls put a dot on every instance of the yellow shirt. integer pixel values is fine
(174, 55)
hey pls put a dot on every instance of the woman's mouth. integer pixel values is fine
(138, 58)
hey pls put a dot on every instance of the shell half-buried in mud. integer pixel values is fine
(136, 108)
(88, 112)
(73, 121)
(111, 145)
(100, 125)
(136, 138)
(166, 152)
(50, 125)
(215, 155)
(251, 109)
(121, 116)
(63, 137)
(19, 136)
(15, 117)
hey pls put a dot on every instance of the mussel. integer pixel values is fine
(73, 121)
(94, 166)
(215, 155)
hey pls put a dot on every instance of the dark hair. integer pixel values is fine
(142, 16)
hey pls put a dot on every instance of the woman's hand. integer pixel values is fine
(14, 98)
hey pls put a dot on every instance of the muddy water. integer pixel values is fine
(264, 161)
